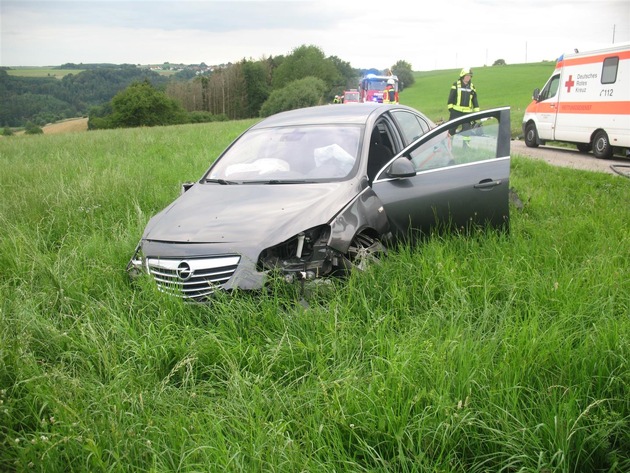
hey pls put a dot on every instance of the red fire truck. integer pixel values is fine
(372, 86)
(351, 96)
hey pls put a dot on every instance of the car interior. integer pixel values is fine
(379, 153)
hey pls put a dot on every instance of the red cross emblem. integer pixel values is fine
(568, 84)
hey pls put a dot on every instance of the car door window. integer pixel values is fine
(379, 153)
(411, 125)
(475, 141)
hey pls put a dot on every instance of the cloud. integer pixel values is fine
(170, 15)
(367, 34)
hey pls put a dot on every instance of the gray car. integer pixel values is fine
(315, 192)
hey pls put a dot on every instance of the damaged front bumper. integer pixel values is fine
(189, 272)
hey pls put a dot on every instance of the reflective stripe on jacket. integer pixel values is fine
(389, 94)
(463, 98)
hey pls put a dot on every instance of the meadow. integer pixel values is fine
(42, 72)
(486, 353)
(496, 86)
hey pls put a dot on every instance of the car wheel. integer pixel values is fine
(363, 251)
(583, 147)
(601, 145)
(531, 136)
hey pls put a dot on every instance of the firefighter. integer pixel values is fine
(462, 100)
(337, 99)
(389, 94)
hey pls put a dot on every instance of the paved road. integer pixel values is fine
(572, 158)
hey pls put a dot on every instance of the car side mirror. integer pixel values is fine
(536, 94)
(401, 167)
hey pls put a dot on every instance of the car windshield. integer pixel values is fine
(289, 154)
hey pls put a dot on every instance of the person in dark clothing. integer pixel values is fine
(462, 100)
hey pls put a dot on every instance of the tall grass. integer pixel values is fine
(486, 353)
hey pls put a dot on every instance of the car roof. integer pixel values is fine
(358, 114)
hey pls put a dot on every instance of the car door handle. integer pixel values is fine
(487, 184)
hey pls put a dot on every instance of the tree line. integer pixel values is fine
(42, 100)
(128, 95)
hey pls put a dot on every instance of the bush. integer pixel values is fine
(141, 104)
(7, 131)
(32, 129)
(99, 123)
(306, 92)
(205, 117)
(402, 69)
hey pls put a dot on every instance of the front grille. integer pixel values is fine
(194, 278)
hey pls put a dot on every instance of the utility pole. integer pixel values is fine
(614, 34)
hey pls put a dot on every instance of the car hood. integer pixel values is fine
(214, 213)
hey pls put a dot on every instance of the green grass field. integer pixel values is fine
(42, 72)
(498, 86)
(490, 353)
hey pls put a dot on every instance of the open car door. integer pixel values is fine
(454, 177)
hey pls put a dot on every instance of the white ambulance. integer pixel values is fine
(586, 101)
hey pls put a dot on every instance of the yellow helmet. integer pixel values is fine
(466, 71)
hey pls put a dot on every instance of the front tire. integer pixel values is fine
(601, 145)
(531, 136)
(583, 147)
(363, 251)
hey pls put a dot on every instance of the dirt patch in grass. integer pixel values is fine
(66, 126)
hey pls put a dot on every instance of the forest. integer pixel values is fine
(42, 100)
(234, 91)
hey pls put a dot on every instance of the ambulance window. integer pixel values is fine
(551, 88)
(609, 70)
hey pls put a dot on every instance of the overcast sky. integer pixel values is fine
(365, 33)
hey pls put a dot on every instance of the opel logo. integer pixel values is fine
(184, 271)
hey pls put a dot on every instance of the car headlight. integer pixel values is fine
(306, 252)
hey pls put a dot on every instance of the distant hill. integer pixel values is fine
(47, 99)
